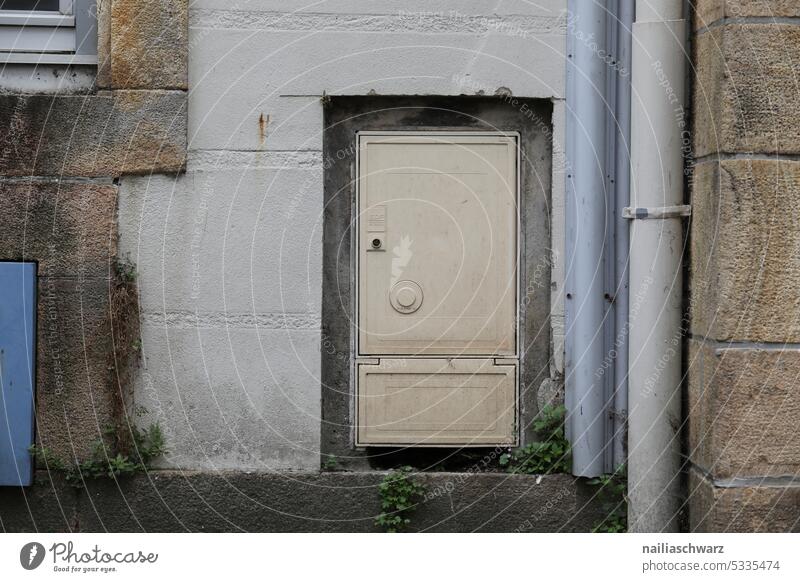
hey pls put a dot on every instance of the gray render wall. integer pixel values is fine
(229, 254)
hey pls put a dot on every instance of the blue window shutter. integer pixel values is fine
(17, 357)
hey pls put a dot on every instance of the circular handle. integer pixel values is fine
(405, 296)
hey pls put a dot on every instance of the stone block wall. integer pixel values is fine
(744, 347)
(61, 158)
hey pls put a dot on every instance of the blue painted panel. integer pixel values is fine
(17, 350)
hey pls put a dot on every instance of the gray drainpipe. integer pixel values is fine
(645, 381)
(598, 146)
(585, 305)
(622, 158)
(655, 275)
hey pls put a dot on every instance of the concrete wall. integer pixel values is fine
(229, 254)
(744, 355)
(235, 501)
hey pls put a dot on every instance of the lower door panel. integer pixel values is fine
(436, 402)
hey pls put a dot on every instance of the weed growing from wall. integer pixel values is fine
(399, 496)
(108, 461)
(331, 463)
(613, 496)
(124, 348)
(549, 454)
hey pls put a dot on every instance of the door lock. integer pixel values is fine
(375, 242)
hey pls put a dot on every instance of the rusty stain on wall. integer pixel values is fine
(262, 127)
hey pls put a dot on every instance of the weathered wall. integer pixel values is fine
(229, 255)
(745, 306)
(61, 156)
(180, 501)
(227, 244)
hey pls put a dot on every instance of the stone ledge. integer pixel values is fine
(165, 501)
(149, 44)
(107, 134)
(76, 396)
(103, 79)
(744, 95)
(44, 508)
(741, 509)
(745, 271)
(69, 228)
(708, 12)
(743, 410)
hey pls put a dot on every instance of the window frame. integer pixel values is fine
(66, 36)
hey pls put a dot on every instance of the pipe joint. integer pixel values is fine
(658, 212)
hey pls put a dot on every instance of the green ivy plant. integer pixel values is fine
(106, 461)
(331, 462)
(613, 495)
(399, 494)
(126, 270)
(549, 454)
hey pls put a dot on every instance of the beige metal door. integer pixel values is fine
(437, 244)
(437, 289)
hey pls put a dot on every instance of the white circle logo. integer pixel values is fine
(31, 555)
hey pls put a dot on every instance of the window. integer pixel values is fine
(48, 31)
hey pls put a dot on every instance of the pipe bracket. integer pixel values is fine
(658, 212)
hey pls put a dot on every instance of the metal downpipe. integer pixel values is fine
(586, 224)
(657, 111)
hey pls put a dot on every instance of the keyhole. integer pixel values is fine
(376, 243)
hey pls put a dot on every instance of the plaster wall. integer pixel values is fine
(229, 254)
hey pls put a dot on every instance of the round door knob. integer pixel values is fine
(406, 296)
